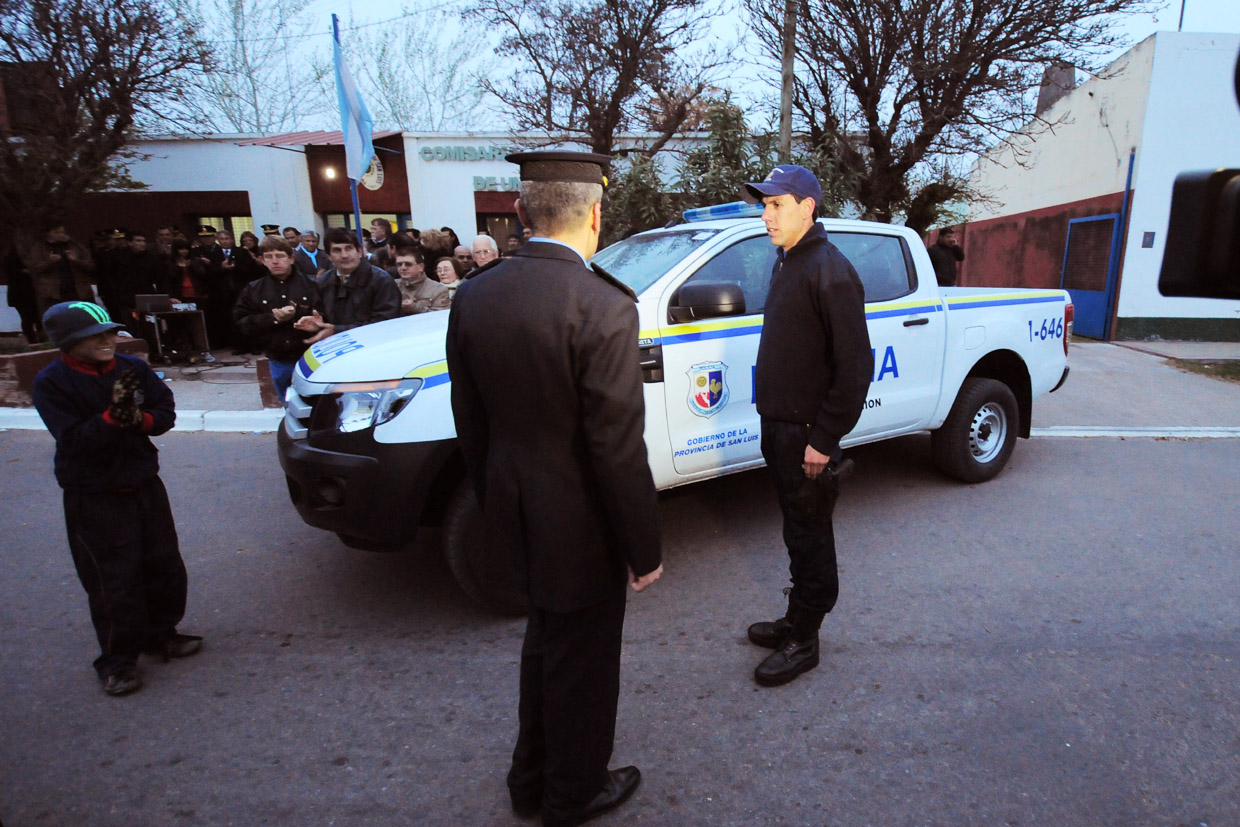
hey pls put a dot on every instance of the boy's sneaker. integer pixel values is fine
(175, 645)
(122, 682)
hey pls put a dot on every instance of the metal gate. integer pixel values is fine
(1090, 263)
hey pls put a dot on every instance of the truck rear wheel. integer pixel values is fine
(978, 436)
(464, 546)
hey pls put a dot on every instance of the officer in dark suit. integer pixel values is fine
(547, 396)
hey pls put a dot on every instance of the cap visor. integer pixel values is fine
(754, 193)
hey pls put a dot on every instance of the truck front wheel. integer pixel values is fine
(464, 546)
(977, 438)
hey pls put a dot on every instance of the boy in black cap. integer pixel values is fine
(813, 371)
(102, 407)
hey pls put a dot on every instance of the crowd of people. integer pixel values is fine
(217, 273)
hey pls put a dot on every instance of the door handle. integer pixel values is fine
(650, 360)
(915, 322)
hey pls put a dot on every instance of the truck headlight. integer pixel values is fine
(363, 405)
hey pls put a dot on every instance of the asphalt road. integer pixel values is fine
(1059, 646)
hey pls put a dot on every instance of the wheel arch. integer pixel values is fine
(1008, 367)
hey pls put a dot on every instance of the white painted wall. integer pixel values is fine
(1085, 154)
(1192, 123)
(441, 189)
(277, 180)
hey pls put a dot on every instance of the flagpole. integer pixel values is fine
(357, 210)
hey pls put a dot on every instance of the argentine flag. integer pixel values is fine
(355, 120)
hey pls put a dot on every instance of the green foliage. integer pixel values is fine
(637, 201)
(714, 173)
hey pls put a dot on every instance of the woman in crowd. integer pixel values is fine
(249, 243)
(187, 275)
(448, 273)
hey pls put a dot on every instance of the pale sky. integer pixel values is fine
(1199, 16)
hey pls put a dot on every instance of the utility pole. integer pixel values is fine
(785, 103)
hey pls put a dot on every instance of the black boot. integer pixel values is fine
(771, 633)
(796, 654)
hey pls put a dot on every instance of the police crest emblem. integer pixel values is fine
(708, 388)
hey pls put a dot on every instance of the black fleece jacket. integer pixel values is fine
(814, 360)
(92, 452)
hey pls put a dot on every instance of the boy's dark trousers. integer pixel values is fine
(124, 546)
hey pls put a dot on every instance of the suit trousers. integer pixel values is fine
(125, 549)
(570, 685)
(811, 543)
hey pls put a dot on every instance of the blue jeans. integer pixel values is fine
(282, 376)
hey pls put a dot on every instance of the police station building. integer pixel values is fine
(240, 182)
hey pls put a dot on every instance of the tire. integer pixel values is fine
(464, 546)
(976, 440)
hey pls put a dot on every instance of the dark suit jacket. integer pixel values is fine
(547, 396)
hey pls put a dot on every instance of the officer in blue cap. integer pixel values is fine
(810, 383)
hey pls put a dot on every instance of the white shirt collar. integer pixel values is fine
(562, 244)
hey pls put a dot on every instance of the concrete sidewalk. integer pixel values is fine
(1115, 390)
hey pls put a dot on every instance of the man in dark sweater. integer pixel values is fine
(813, 372)
(103, 407)
(945, 253)
(354, 292)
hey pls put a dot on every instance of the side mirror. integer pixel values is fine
(707, 300)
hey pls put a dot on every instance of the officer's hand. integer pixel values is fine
(815, 462)
(640, 583)
(283, 314)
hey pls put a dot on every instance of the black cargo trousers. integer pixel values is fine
(806, 505)
(125, 550)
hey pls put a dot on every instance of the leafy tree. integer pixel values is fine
(902, 93)
(588, 70)
(89, 72)
(734, 155)
(637, 201)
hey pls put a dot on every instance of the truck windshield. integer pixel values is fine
(639, 261)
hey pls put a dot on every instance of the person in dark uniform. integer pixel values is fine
(813, 372)
(944, 254)
(547, 398)
(103, 407)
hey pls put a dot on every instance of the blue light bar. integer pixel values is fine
(736, 209)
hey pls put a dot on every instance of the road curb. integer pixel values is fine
(263, 421)
(1111, 432)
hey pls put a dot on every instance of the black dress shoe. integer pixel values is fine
(770, 633)
(620, 785)
(786, 662)
(526, 805)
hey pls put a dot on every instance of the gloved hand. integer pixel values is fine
(124, 410)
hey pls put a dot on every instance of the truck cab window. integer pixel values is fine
(881, 261)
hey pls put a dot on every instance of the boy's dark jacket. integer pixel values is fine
(92, 454)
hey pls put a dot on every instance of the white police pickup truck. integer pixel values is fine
(368, 442)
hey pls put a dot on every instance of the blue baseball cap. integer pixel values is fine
(68, 323)
(785, 179)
